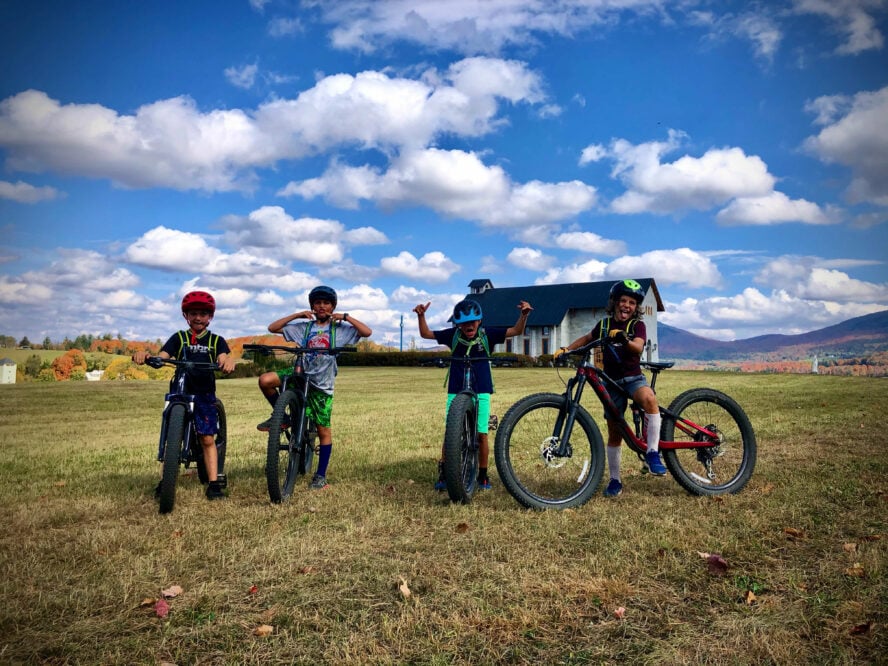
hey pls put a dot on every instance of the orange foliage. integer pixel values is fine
(62, 366)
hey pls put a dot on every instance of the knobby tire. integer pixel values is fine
(172, 451)
(282, 460)
(524, 454)
(460, 449)
(732, 460)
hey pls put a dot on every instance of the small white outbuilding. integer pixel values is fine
(7, 371)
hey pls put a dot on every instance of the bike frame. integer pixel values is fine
(177, 396)
(601, 382)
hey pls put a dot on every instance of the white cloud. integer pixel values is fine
(171, 143)
(720, 175)
(455, 183)
(468, 26)
(774, 208)
(14, 291)
(431, 267)
(855, 135)
(812, 278)
(681, 266)
(592, 153)
(242, 77)
(586, 241)
(854, 18)
(589, 271)
(530, 259)
(26, 193)
(284, 27)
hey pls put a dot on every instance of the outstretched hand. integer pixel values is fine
(421, 309)
(525, 307)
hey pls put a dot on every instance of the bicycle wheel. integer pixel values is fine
(526, 454)
(282, 460)
(172, 451)
(221, 446)
(715, 470)
(460, 449)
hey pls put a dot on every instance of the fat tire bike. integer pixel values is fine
(292, 436)
(179, 441)
(461, 434)
(546, 462)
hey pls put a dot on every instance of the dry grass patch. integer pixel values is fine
(82, 546)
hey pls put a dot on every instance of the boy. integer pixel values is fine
(622, 362)
(468, 338)
(199, 344)
(324, 329)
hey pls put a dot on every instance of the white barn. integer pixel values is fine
(561, 313)
(7, 371)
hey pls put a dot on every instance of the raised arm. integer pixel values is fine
(518, 328)
(278, 325)
(363, 330)
(424, 331)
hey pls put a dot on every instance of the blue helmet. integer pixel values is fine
(322, 292)
(466, 311)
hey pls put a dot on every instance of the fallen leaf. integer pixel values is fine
(860, 629)
(172, 591)
(390, 489)
(716, 564)
(872, 537)
(749, 598)
(253, 589)
(794, 533)
(620, 612)
(410, 482)
(306, 569)
(850, 547)
(263, 630)
(855, 570)
(462, 528)
(861, 426)
(404, 589)
(60, 484)
(161, 608)
(767, 488)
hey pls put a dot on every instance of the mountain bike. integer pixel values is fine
(461, 434)
(545, 461)
(179, 441)
(292, 436)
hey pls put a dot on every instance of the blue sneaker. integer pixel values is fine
(653, 463)
(440, 484)
(484, 484)
(614, 488)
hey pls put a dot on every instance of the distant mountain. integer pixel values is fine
(854, 337)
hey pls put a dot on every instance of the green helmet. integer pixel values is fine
(627, 288)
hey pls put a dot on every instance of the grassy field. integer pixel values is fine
(380, 569)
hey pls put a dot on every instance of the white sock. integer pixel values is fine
(653, 431)
(613, 461)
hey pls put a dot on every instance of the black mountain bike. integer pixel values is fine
(179, 442)
(545, 461)
(461, 434)
(292, 436)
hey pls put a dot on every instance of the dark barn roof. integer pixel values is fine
(550, 302)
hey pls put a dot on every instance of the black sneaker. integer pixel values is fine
(214, 491)
(440, 484)
(318, 482)
(265, 426)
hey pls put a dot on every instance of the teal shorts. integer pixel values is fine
(483, 410)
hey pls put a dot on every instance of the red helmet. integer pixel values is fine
(199, 300)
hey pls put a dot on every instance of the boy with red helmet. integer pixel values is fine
(199, 344)
(324, 327)
(468, 338)
(622, 363)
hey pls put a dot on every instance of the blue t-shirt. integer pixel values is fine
(483, 380)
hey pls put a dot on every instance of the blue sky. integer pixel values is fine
(736, 152)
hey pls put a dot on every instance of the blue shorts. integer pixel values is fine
(483, 411)
(631, 384)
(206, 416)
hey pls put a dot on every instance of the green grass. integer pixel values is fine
(82, 544)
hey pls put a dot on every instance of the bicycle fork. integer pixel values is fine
(560, 442)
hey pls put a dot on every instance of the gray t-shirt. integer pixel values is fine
(321, 369)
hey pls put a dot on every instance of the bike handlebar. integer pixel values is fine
(157, 362)
(270, 349)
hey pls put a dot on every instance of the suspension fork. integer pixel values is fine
(567, 418)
